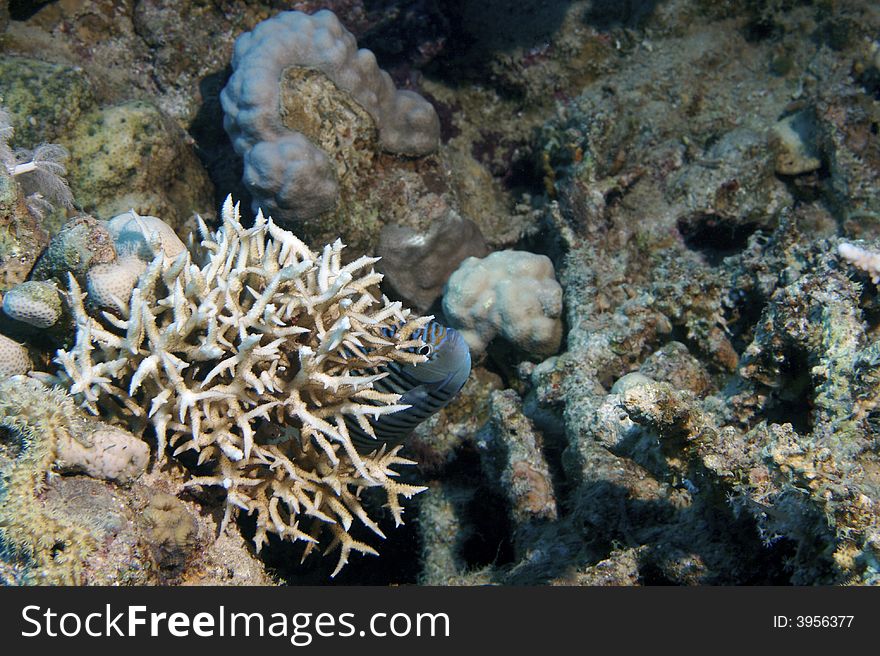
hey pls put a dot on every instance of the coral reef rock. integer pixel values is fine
(511, 293)
(417, 265)
(132, 155)
(114, 526)
(14, 358)
(81, 243)
(53, 432)
(33, 302)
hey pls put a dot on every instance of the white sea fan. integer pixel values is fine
(40, 172)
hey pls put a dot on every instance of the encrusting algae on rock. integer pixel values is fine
(253, 325)
(54, 435)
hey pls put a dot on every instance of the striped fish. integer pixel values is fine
(426, 387)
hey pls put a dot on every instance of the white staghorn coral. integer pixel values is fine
(861, 258)
(253, 326)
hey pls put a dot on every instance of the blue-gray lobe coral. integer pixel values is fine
(288, 173)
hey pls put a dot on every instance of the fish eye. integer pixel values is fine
(427, 349)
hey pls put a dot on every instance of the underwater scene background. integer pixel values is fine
(440, 292)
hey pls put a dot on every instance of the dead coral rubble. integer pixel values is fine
(55, 435)
(76, 506)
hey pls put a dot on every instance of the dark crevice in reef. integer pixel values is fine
(489, 543)
(715, 237)
(605, 15)
(22, 10)
(11, 446)
(402, 35)
(809, 187)
(483, 514)
(791, 399)
(869, 301)
(522, 176)
(654, 570)
(870, 81)
(761, 29)
(545, 240)
(487, 539)
(555, 444)
(502, 360)
(514, 162)
(708, 541)
(477, 28)
(741, 328)
(681, 334)
(212, 144)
